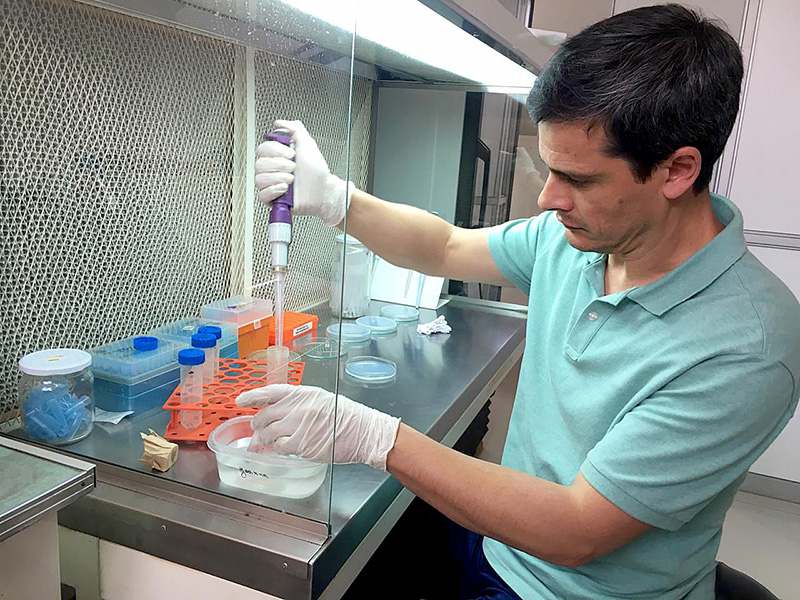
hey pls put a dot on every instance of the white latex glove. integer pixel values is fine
(298, 420)
(317, 192)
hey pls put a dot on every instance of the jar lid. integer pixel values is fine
(350, 240)
(191, 357)
(144, 343)
(204, 340)
(59, 361)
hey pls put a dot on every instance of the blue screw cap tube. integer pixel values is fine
(217, 333)
(211, 329)
(191, 361)
(208, 343)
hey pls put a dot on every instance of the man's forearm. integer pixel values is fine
(533, 515)
(406, 236)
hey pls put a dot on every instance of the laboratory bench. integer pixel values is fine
(313, 547)
(34, 484)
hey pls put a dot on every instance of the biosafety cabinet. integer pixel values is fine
(129, 213)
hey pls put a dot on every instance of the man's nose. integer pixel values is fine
(555, 195)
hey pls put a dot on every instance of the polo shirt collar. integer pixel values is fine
(702, 268)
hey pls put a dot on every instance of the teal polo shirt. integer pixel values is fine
(662, 396)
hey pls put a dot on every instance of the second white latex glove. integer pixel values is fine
(317, 192)
(299, 420)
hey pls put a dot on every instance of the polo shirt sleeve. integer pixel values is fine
(513, 247)
(668, 457)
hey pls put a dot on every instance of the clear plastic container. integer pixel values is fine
(265, 471)
(208, 344)
(56, 395)
(192, 362)
(357, 278)
(240, 310)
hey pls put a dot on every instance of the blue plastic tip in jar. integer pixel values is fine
(211, 330)
(144, 343)
(204, 340)
(191, 357)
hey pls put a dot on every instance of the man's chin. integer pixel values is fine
(578, 240)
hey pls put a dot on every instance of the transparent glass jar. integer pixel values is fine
(357, 278)
(56, 395)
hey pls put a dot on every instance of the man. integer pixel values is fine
(661, 357)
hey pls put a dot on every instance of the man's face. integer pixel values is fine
(595, 196)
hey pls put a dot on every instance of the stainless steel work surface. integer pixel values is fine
(438, 379)
(34, 481)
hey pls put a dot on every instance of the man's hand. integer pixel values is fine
(316, 192)
(299, 420)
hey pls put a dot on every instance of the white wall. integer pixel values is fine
(731, 12)
(766, 161)
(418, 148)
(569, 16)
(782, 459)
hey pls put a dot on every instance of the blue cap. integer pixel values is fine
(204, 340)
(191, 357)
(211, 330)
(145, 342)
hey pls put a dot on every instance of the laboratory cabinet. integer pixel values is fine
(131, 225)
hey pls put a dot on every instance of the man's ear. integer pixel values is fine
(683, 169)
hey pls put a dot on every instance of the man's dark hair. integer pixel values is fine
(656, 78)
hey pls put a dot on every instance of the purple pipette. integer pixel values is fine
(280, 215)
(281, 209)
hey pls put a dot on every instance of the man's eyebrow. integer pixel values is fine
(586, 177)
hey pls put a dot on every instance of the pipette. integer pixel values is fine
(279, 231)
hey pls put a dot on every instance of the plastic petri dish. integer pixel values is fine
(370, 369)
(400, 313)
(378, 325)
(320, 347)
(352, 333)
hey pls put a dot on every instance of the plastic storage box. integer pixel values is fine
(137, 380)
(265, 471)
(239, 310)
(249, 315)
(183, 330)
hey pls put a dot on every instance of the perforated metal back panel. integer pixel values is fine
(118, 187)
(324, 98)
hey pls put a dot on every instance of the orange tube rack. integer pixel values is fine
(219, 397)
